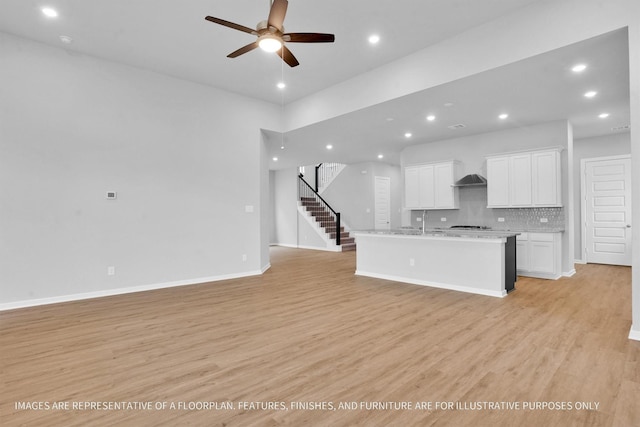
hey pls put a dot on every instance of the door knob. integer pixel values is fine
(628, 225)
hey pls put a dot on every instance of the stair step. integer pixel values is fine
(348, 247)
(327, 221)
(343, 235)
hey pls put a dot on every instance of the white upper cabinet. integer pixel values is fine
(411, 186)
(547, 189)
(446, 196)
(498, 190)
(520, 179)
(430, 186)
(524, 180)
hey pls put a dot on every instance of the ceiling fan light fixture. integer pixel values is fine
(49, 12)
(270, 43)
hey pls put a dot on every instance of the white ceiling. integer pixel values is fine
(535, 90)
(172, 37)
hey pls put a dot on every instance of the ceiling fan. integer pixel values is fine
(271, 35)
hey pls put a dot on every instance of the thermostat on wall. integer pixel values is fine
(112, 195)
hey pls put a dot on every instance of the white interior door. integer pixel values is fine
(382, 210)
(607, 210)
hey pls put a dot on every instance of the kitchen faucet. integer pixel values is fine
(424, 220)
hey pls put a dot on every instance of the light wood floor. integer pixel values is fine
(308, 330)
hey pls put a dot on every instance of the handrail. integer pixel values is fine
(324, 173)
(307, 190)
(317, 176)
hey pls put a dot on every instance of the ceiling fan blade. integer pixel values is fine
(308, 38)
(277, 13)
(232, 25)
(287, 56)
(244, 49)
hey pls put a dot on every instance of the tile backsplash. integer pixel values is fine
(473, 211)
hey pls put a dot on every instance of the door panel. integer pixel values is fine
(607, 228)
(382, 211)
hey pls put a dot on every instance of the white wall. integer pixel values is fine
(185, 165)
(352, 193)
(634, 67)
(587, 148)
(472, 150)
(285, 209)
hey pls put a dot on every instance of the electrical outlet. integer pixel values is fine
(244, 257)
(500, 219)
(419, 219)
(443, 219)
(412, 262)
(111, 271)
(545, 220)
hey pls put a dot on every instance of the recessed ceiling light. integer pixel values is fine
(374, 38)
(503, 116)
(408, 135)
(275, 159)
(49, 12)
(281, 85)
(431, 118)
(66, 39)
(578, 68)
(380, 156)
(603, 115)
(329, 146)
(590, 94)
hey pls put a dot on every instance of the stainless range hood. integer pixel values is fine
(471, 180)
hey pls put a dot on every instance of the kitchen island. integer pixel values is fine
(480, 262)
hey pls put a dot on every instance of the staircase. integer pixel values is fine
(326, 220)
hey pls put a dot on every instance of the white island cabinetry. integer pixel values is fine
(477, 263)
(430, 186)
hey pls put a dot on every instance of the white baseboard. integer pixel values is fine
(499, 294)
(121, 291)
(327, 249)
(634, 334)
(285, 245)
(569, 273)
(548, 276)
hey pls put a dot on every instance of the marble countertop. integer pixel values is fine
(439, 232)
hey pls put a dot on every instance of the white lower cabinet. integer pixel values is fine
(539, 255)
(522, 253)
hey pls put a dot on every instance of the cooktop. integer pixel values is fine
(469, 227)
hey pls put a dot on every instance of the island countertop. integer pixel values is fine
(442, 232)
